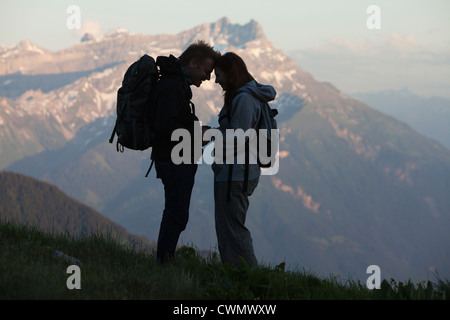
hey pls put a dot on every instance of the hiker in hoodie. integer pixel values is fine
(233, 184)
(174, 110)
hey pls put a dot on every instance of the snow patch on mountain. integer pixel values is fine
(93, 94)
(23, 47)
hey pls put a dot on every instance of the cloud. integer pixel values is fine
(391, 46)
(337, 46)
(388, 63)
(407, 43)
(91, 27)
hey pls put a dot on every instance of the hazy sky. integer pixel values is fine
(328, 38)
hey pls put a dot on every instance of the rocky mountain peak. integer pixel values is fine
(24, 47)
(224, 32)
(88, 37)
(119, 32)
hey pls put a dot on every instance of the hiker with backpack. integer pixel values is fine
(245, 102)
(172, 109)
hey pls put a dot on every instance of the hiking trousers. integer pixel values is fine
(178, 181)
(233, 238)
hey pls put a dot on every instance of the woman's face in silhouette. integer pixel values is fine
(221, 78)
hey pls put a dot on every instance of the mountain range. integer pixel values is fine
(428, 115)
(355, 186)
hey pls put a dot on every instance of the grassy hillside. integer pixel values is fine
(33, 265)
(27, 200)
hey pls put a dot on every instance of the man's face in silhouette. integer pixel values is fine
(200, 71)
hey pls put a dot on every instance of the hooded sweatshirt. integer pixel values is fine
(244, 114)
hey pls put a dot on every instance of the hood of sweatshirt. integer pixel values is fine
(264, 93)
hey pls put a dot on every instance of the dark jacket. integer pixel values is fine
(172, 108)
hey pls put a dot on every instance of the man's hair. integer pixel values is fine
(198, 51)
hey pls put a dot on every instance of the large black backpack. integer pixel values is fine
(134, 126)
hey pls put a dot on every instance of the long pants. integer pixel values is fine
(178, 181)
(233, 238)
